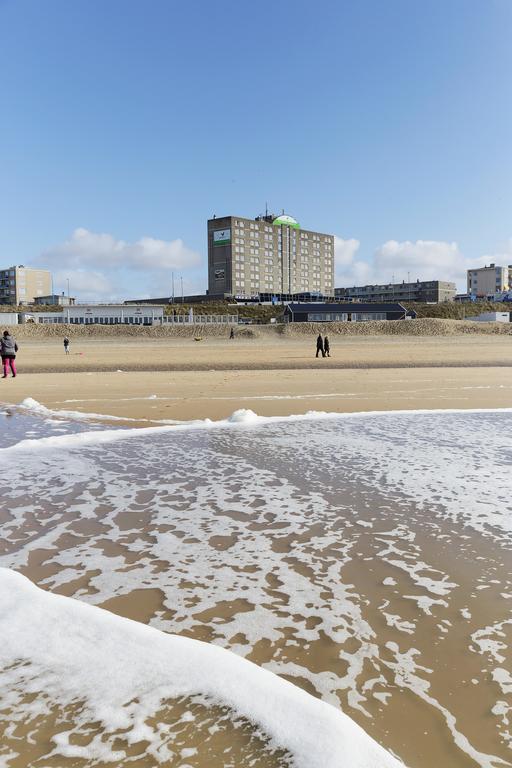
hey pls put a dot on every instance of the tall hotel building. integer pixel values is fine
(268, 254)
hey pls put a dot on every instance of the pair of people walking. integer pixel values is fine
(323, 346)
(8, 349)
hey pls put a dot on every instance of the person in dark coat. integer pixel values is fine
(66, 345)
(320, 346)
(232, 334)
(327, 348)
(8, 349)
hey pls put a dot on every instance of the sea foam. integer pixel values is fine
(77, 652)
(247, 528)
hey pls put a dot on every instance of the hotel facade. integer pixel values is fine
(268, 254)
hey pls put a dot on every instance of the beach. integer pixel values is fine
(179, 378)
(334, 532)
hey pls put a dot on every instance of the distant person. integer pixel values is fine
(66, 345)
(320, 346)
(232, 334)
(327, 347)
(8, 349)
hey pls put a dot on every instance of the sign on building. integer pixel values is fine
(222, 236)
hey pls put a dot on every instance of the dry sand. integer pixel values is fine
(270, 375)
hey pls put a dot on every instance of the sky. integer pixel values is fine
(127, 124)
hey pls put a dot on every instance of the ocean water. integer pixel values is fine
(319, 590)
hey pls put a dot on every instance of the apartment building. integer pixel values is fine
(429, 291)
(268, 254)
(22, 285)
(489, 280)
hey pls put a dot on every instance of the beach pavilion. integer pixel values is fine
(349, 312)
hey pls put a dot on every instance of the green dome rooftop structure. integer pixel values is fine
(287, 221)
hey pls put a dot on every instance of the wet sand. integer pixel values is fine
(429, 665)
(375, 603)
(213, 378)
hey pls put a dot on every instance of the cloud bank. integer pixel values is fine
(397, 261)
(99, 266)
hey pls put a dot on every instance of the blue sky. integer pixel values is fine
(127, 124)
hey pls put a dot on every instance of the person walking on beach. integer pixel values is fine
(327, 348)
(232, 334)
(8, 349)
(320, 346)
(66, 345)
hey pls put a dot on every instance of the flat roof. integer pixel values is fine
(347, 307)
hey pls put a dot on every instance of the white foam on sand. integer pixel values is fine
(123, 670)
(33, 406)
(225, 504)
(434, 457)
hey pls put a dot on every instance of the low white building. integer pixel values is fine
(492, 317)
(55, 299)
(99, 314)
(8, 318)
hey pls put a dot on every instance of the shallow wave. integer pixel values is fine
(123, 670)
(337, 551)
(450, 458)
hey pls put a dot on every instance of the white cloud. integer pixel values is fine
(91, 249)
(423, 260)
(100, 267)
(348, 269)
(84, 284)
(395, 260)
(345, 250)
